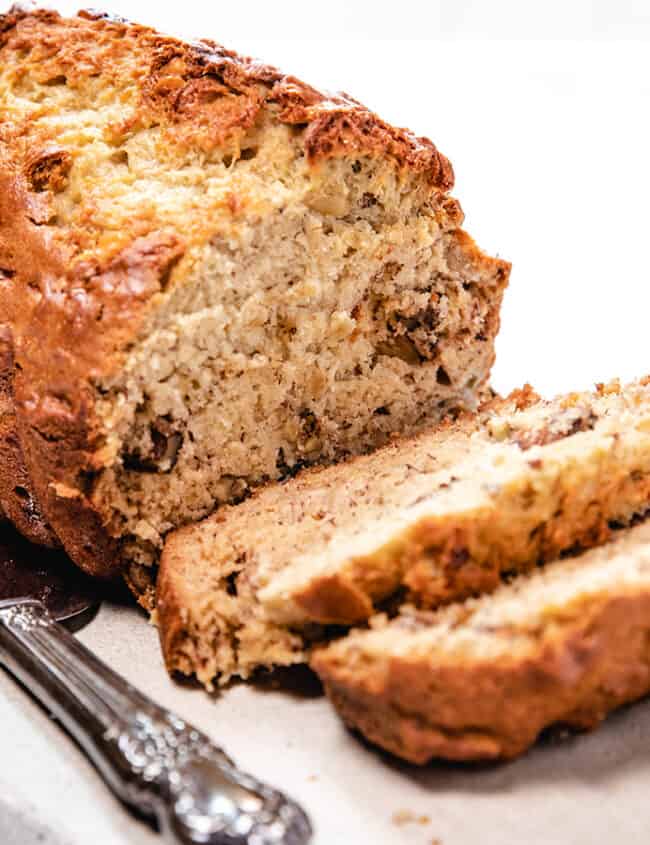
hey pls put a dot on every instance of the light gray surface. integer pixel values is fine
(587, 789)
(20, 825)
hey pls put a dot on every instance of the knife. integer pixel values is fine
(154, 761)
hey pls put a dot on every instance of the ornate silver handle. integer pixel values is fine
(150, 758)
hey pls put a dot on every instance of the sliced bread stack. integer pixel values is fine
(480, 680)
(431, 520)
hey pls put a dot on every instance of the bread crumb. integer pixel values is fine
(312, 778)
(402, 817)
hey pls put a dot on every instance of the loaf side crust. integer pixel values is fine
(18, 501)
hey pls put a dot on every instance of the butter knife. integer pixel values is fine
(153, 760)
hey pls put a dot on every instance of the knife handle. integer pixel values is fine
(152, 759)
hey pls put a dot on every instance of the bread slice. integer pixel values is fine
(440, 517)
(213, 274)
(480, 680)
(211, 621)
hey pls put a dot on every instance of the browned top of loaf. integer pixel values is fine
(75, 298)
(205, 93)
(204, 98)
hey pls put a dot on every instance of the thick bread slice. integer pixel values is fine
(441, 516)
(211, 622)
(213, 274)
(480, 680)
(531, 484)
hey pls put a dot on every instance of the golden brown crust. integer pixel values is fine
(419, 710)
(519, 399)
(332, 598)
(69, 325)
(172, 618)
(172, 630)
(206, 92)
(84, 324)
(72, 319)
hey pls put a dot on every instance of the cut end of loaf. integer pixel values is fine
(291, 356)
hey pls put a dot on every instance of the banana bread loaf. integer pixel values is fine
(212, 274)
(438, 517)
(480, 680)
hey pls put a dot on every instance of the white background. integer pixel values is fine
(543, 109)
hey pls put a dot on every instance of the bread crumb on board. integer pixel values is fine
(402, 817)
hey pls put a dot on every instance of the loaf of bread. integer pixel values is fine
(438, 517)
(480, 680)
(211, 274)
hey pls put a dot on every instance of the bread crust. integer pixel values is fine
(419, 709)
(17, 498)
(337, 124)
(71, 320)
(171, 618)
